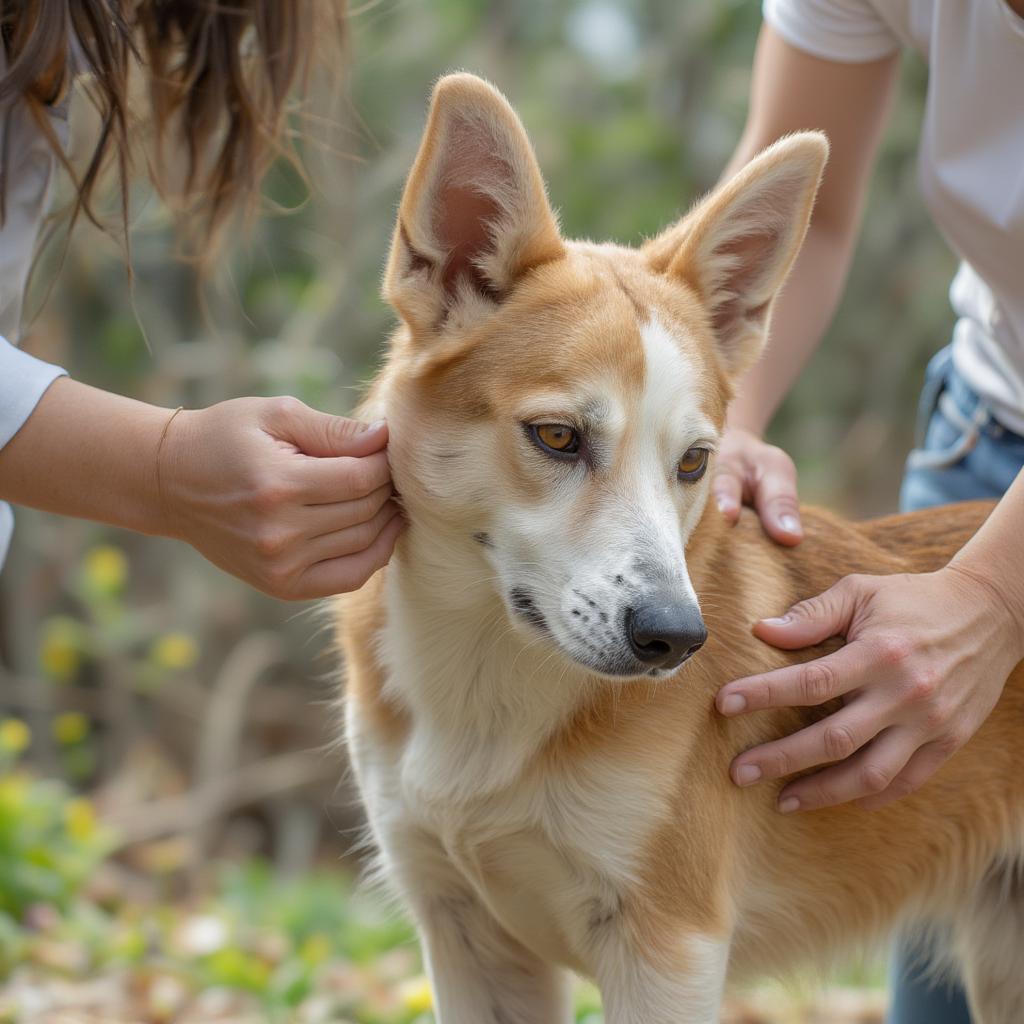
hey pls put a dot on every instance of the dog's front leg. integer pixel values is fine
(479, 973)
(642, 986)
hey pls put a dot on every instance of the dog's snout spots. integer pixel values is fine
(483, 539)
(526, 608)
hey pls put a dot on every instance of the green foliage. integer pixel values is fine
(49, 845)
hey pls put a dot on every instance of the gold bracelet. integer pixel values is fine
(159, 449)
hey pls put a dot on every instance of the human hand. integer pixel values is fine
(293, 501)
(750, 472)
(925, 661)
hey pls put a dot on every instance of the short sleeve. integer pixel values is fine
(23, 381)
(850, 31)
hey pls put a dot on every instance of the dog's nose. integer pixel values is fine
(665, 633)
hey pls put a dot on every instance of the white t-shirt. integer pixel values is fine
(28, 172)
(971, 156)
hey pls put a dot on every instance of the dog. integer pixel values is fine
(531, 680)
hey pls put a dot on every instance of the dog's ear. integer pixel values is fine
(475, 215)
(736, 247)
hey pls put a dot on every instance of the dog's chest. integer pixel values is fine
(553, 854)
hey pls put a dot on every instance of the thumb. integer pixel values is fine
(324, 436)
(812, 621)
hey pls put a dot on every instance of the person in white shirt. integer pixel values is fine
(291, 500)
(927, 655)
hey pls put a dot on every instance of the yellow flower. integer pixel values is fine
(15, 735)
(13, 793)
(415, 995)
(175, 651)
(106, 569)
(70, 728)
(316, 949)
(59, 651)
(80, 819)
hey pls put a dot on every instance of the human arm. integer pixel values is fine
(792, 90)
(291, 500)
(926, 658)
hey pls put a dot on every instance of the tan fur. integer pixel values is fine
(524, 322)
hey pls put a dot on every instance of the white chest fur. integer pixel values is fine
(548, 844)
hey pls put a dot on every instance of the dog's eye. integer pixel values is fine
(692, 464)
(556, 437)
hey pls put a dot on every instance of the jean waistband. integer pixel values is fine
(962, 407)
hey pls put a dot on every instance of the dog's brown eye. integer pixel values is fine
(692, 464)
(558, 437)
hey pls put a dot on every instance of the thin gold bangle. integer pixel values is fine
(159, 449)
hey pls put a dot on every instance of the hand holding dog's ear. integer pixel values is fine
(925, 661)
(291, 500)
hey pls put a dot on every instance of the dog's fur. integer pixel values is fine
(538, 799)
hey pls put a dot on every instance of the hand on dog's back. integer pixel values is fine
(751, 472)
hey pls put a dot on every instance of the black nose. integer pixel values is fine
(665, 633)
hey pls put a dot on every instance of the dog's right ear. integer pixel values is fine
(474, 216)
(735, 249)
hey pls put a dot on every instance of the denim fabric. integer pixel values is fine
(962, 453)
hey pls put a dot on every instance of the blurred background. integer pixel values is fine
(176, 834)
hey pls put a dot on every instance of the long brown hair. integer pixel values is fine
(220, 77)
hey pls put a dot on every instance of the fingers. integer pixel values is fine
(320, 434)
(319, 520)
(351, 539)
(815, 620)
(775, 496)
(917, 771)
(763, 476)
(834, 738)
(807, 685)
(728, 492)
(323, 481)
(350, 572)
(869, 773)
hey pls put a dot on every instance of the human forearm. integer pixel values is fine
(994, 557)
(791, 91)
(88, 454)
(801, 315)
(293, 501)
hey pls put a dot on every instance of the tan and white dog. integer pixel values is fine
(544, 772)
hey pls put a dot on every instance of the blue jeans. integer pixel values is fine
(962, 453)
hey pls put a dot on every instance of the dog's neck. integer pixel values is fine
(466, 675)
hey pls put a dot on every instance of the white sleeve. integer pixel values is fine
(850, 31)
(23, 381)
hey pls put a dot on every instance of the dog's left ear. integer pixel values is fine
(736, 248)
(474, 216)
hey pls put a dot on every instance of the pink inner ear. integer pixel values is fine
(744, 278)
(467, 210)
(464, 219)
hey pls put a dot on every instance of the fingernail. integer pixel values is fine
(781, 620)
(790, 524)
(733, 704)
(725, 503)
(789, 804)
(747, 774)
(375, 425)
